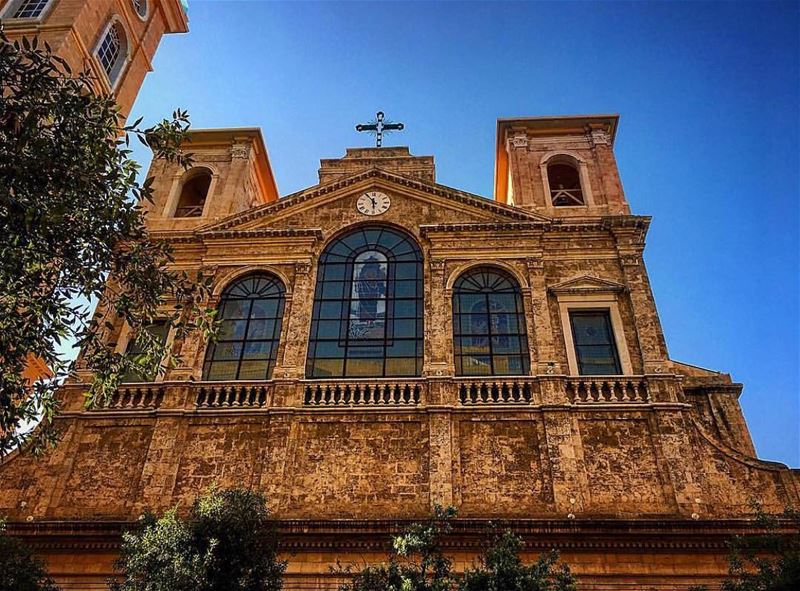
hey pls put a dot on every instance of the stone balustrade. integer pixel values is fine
(134, 397)
(510, 391)
(482, 391)
(232, 395)
(366, 393)
(612, 389)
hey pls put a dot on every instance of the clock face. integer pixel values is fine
(373, 203)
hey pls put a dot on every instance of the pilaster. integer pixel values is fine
(544, 360)
(297, 319)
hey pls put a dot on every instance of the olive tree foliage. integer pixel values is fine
(72, 233)
(227, 543)
(417, 563)
(500, 568)
(20, 568)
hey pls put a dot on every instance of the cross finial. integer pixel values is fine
(378, 127)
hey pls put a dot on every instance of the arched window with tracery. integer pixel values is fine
(251, 313)
(489, 324)
(194, 192)
(367, 317)
(565, 184)
(113, 51)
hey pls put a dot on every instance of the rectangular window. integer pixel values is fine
(30, 8)
(159, 329)
(595, 347)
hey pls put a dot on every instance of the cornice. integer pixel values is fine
(315, 233)
(537, 226)
(467, 534)
(314, 192)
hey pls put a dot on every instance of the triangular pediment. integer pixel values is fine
(289, 211)
(587, 284)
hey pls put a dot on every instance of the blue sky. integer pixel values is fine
(708, 143)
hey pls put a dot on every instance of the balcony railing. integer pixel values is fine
(511, 391)
(496, 391)
(610, 389)
(134, 397)
(217, 396)
(354, 393)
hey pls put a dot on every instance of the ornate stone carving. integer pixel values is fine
(600, 137)
(437, 265)
(302, 267)
(518, 141)
(630, 259)
(534, 263)
(240, 151)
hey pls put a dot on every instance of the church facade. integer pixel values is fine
(389, 343)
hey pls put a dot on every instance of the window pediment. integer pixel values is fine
(586, 284)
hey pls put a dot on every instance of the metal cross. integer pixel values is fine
(378, 127)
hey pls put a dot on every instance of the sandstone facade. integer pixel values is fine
(638, 478)
(75, 29)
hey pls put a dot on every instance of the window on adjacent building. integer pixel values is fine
(489, 324)
(159, 330)
(251, 313)
(113, 51)
(565, 184)
(194, 193)
(29, 8)
(140, 6)
(595, 348)
(367, 318)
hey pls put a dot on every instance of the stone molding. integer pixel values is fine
(432, 189)
(586, 284)
(467, 534)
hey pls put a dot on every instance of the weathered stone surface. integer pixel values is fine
(641, 477)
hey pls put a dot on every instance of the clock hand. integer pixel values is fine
(374, 203)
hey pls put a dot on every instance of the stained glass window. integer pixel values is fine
(595, 348)
(251, 312)
(367, 319)
(489, 324)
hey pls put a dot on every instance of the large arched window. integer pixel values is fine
(565, 184)
(489, 324)
(113, 51)
(367, 319)
(251, 310)
(194, 192)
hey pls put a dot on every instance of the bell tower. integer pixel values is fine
(116, 39)
(559, 166)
